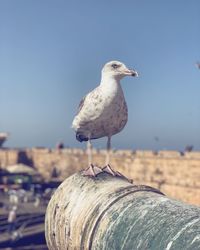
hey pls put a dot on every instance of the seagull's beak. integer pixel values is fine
(131, 72)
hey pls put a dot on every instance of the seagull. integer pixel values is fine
(103, 113)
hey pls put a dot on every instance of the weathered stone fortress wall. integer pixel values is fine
(176, 175)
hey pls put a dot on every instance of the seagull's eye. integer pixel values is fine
(114, 66)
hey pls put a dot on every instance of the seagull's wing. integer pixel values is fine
(81, 104)
(87, 109)
(89, 102)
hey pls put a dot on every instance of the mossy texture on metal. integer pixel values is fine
(109, 213)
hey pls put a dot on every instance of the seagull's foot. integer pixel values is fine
(92, 171)
(109, 170)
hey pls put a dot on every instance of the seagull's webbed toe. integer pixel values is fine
(92, 171)
(109, 170)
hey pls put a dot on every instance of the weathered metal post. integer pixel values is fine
(109, 213)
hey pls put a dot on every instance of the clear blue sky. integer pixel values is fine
(52, 52)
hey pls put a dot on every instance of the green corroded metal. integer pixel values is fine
(109, 213)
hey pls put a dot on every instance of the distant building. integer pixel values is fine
(3, 138)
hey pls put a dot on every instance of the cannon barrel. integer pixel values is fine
(109, 212)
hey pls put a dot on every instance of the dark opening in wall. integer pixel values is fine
(23, 158)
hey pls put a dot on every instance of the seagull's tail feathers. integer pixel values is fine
(80, 137)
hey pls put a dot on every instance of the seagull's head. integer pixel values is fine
(117, 70)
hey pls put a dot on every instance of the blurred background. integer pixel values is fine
(51, 55)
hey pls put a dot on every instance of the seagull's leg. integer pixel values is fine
(108, 168)
(89, 152)
(108, 150)
(91, 170)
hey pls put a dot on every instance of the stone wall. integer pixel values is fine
(176, 175)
